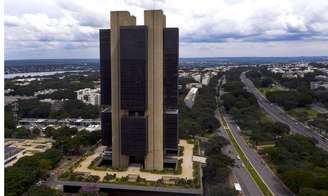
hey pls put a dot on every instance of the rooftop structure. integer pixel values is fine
(89, 96)
(320, 84)
(196, 85)
(191, 97)
(79, 123)
(44, 92)
(18, 148)
(206, 79)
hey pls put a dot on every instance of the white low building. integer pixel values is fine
(289, 75)
(206, 80)
(44, 92)
(89, 96)
(197, 77)
(321, 78)
(315, 85)
(196, 85)
(191, 97)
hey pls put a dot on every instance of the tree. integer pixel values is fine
(41, 191)
(35, 132)
(300, 163)
(296, 179)
(309, 192)
(9, 120)
(18, 179)
(188, 128)
(32, 108)
(21, 133)
(290, 99)
(76, 109)
(266, 82)
(216, 170)
(221, 190)
(45, 164)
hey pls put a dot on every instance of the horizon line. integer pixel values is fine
(302, 56)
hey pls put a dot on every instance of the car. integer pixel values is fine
(242, 164)
(238, 157)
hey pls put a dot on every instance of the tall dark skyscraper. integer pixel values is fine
(138, 66)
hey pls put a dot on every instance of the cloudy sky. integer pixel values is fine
(208, 28)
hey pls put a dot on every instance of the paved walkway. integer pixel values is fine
(187, 166)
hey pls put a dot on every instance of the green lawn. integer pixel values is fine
(264, 118)
(303, 113)
(269, 89)
(256, 177)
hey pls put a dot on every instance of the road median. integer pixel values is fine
(250, 168)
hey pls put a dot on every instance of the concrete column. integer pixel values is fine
(117, 18)
(155, 21)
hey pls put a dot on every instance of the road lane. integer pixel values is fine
(248, 186)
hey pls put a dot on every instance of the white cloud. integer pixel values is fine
(230, 24)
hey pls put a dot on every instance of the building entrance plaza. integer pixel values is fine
(134, 169)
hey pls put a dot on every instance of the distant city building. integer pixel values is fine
(183, 74)
(139, 89)
(320, 84)
(321, 77)
(197, 77)
(9, 90)
(214, 73)
(289, 75)
(180, 87)
(12, 99)
(42, 124)
(206, 80)
(191, 97)
(196, 85)
(44, 92)
(89, 96)
(290, 71)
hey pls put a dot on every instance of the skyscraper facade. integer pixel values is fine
(138, 66)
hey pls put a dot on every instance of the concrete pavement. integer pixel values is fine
(186, 173)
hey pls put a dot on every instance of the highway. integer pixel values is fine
(277, 114)
(273, 182)
(248, 186)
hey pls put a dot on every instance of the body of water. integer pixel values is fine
(33, 74)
